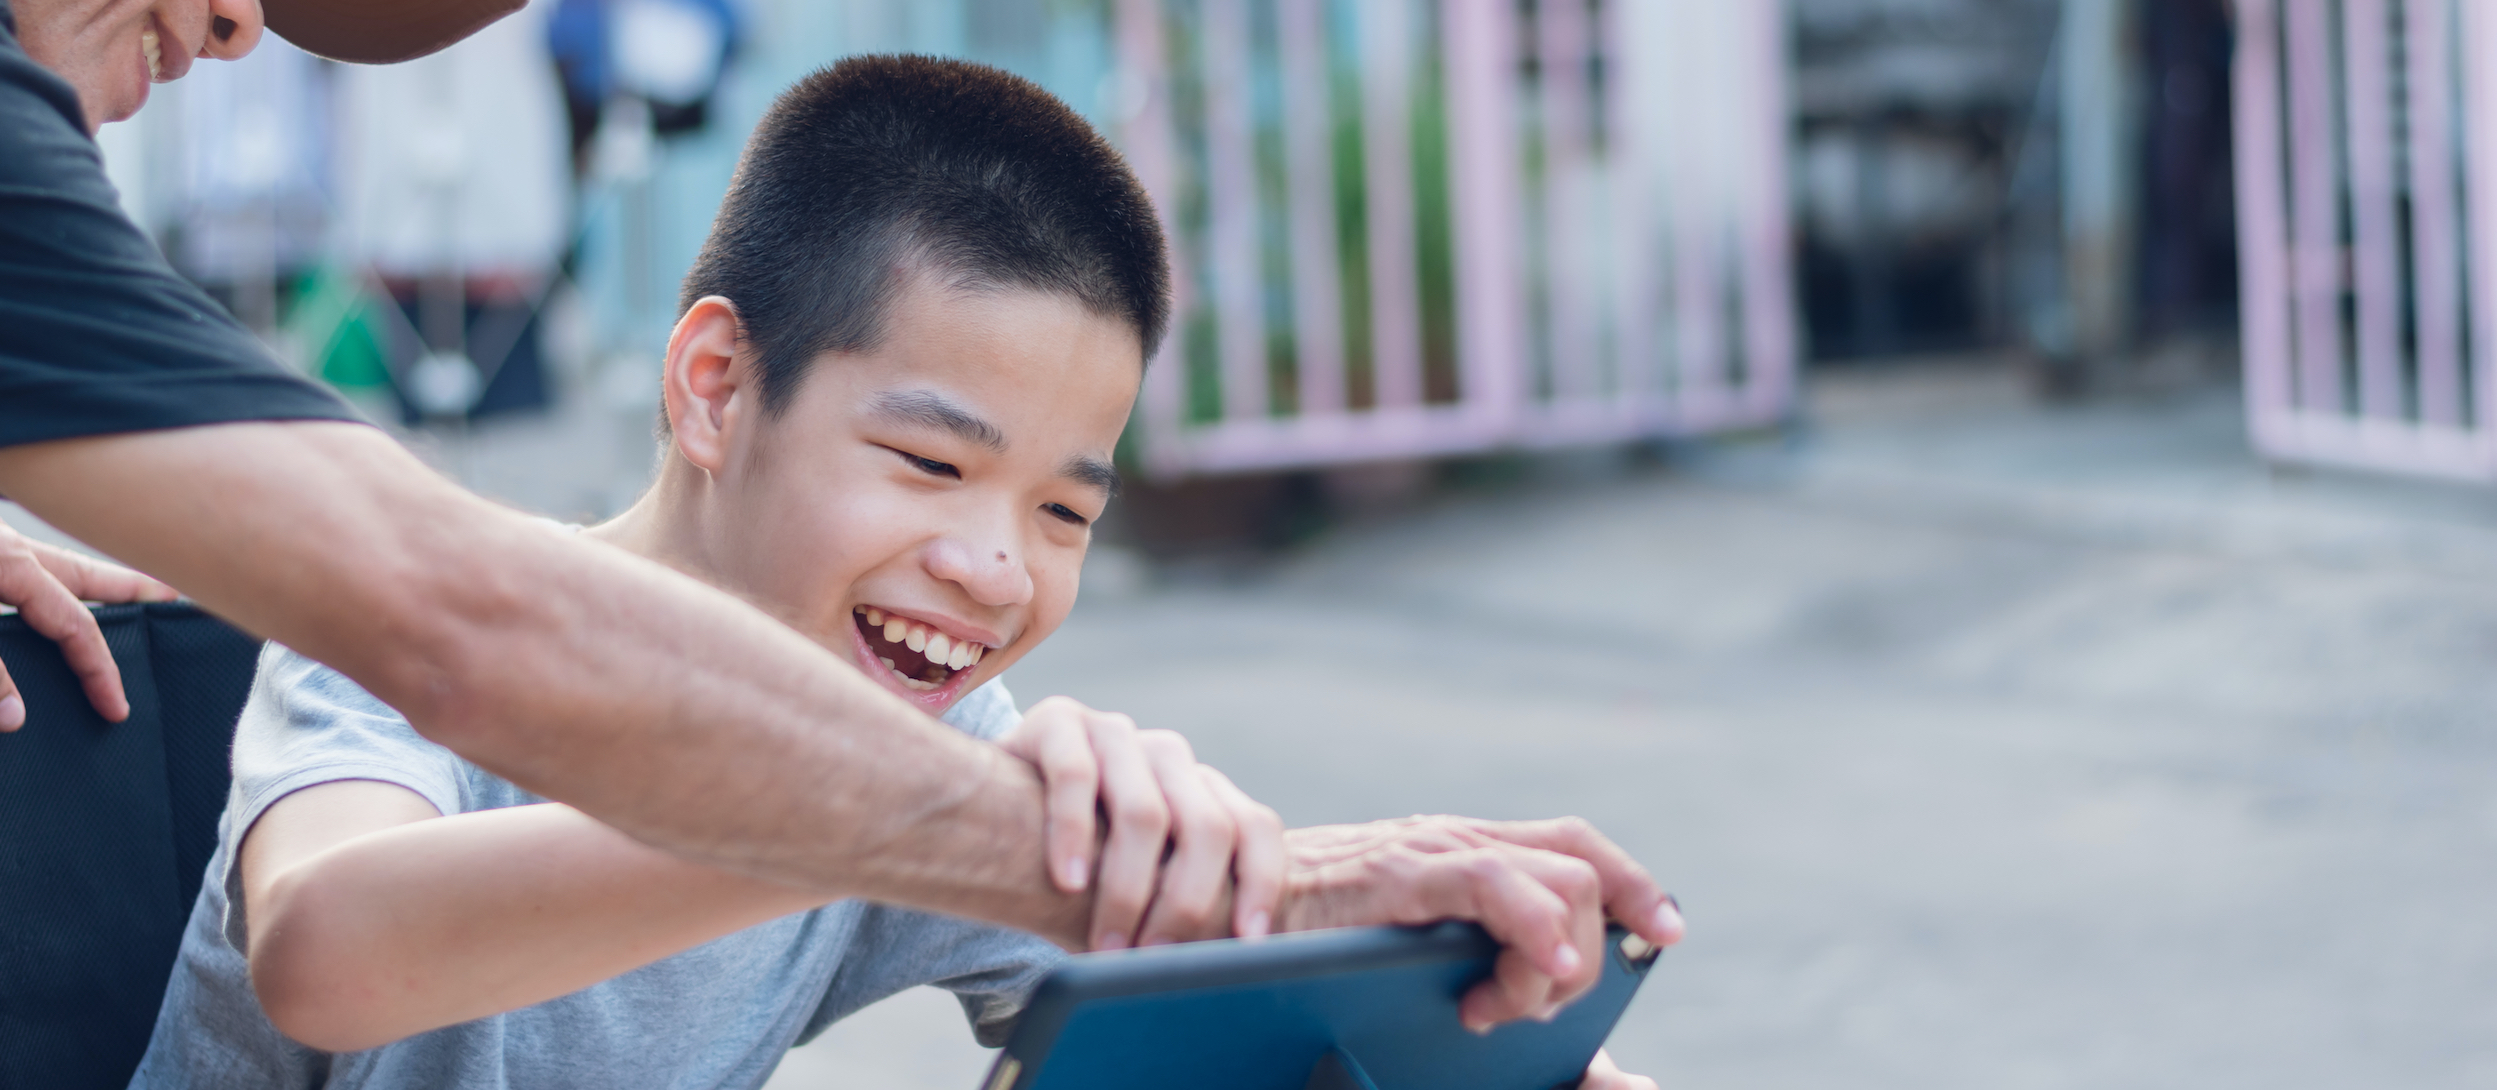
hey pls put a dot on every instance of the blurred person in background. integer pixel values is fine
(140, 417)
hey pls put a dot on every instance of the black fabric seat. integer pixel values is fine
(105, 834)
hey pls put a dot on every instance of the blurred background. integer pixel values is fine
(1988, 498)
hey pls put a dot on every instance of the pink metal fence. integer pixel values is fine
(2367, 225)
(1406, 228)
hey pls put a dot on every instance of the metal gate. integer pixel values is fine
(2367, 225)
(1405, 228)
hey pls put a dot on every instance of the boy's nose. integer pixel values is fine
(990, 575)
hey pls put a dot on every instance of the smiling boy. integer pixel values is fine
(904, 357)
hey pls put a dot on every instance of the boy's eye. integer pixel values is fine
(1066, 513)
(930, 465)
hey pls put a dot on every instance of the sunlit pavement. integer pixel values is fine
(1986, 745)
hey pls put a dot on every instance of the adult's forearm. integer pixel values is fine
(671, 710)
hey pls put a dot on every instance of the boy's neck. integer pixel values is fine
(664, 525)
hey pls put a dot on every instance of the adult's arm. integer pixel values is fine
(46, 584)
(673, 711)
(695, 723)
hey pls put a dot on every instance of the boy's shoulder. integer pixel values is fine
(305, 723)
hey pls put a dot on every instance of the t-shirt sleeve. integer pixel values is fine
(992, 970)
(98, 335)
(306, 724)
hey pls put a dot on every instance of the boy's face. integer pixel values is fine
(925, 507)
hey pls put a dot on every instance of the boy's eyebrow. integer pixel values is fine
(1091, 471)
(931, 409)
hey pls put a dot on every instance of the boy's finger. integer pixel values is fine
(1071, 776)
(1131, 858)
(1258, 862)
(1196, 875)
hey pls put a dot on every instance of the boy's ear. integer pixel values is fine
(704, 384)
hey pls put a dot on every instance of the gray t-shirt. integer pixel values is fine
(718, 1015)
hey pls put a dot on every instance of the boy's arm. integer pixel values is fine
(373, 918)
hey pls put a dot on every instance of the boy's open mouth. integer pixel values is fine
(921, 657)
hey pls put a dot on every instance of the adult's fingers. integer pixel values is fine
(1054, 739)
(1631, 894)
(96, 580)
(1131, 859)
(1258, 863)
(12, 706)
(1603, 1074)
(1544, 908)
(50, 609)
(1197, 873)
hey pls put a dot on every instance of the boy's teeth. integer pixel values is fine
(894, 629)
(875, 617)
(155, 54)
(888, 663)
(940, 649)
(916, 637)
(957, 655)
(978, 651)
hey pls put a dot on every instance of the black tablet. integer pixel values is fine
(1359, 1008)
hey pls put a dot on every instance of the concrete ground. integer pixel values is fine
(1987, 745)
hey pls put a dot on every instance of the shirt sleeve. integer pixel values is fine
(304, 725)
(992, 970)
(98, 335)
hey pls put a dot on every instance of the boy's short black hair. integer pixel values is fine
(881, 165)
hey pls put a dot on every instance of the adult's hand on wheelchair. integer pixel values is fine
(1185, 853)
(48, 584)
(1543, 888)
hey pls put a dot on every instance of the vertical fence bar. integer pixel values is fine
(1768, 302)
(2366, 60)
(1631, 92)
(1562, 43)
(1145, 127)
(1386, 42)
(2436, 269)
(2315, 240)
(1309, 171)
(1231, 199)
(1698, 237)
(2479, 112)
(1486, 199)
(2263, 281)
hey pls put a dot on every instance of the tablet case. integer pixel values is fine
(1367, 1008)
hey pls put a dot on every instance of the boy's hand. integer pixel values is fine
(1223, 848)
(47, 584)
(1543, 888)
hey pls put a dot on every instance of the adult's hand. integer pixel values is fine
(1543, 888)
(1183, 841)
(47, 584)
(1602, 1074)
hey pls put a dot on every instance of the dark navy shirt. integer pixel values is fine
(98, 334)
